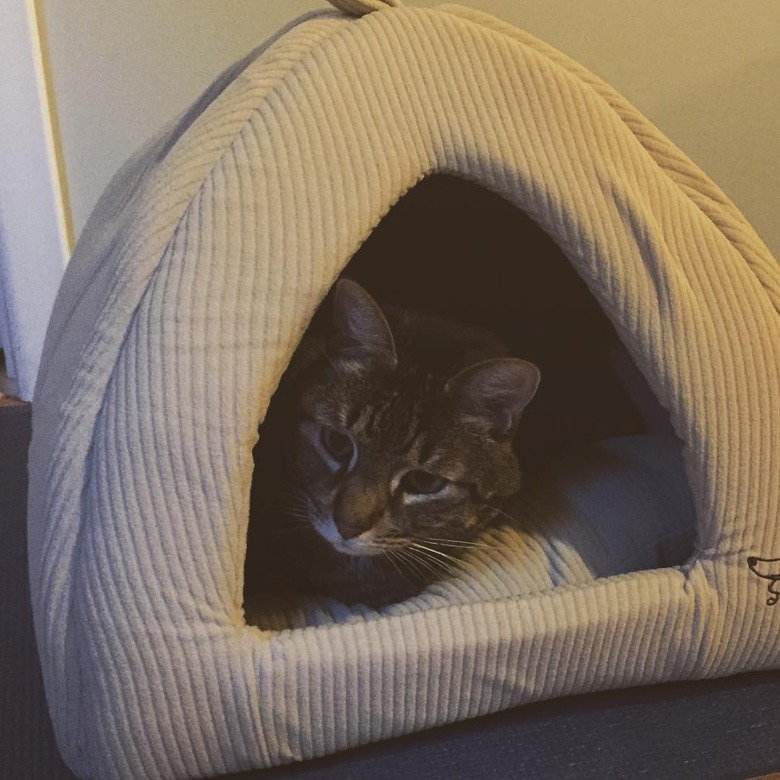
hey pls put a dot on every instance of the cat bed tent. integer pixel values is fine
(185, 298)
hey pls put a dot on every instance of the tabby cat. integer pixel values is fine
(386, 450)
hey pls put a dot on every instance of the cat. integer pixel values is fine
(386, 450)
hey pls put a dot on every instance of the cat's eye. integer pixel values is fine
(338, 444)
(420, 482)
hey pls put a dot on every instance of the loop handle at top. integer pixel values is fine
(362, 7)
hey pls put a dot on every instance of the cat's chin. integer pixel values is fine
(358, 551)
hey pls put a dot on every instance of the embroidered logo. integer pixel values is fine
(767, 569)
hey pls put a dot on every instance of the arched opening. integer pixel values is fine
(454, 248)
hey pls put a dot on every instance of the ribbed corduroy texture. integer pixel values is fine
(182, 304)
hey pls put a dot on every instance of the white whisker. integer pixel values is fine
(434, 551)
(415, 560)
(437, 564)
(501, 512)
(450, 561)
(461, 543)
(391, 555)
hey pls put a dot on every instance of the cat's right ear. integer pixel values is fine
(492, 395)
(360, 330)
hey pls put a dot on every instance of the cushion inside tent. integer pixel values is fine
(547, 208)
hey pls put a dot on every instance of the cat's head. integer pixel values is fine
(402, 435)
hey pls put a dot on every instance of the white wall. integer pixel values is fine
(121, 69)
(706, 71)
(34, 241)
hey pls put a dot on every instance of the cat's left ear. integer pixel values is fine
(359, 329)
(493, 393)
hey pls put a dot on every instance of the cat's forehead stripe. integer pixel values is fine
(394, 419)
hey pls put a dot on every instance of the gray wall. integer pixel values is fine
(705, 71)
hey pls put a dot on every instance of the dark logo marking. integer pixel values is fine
(767, 569)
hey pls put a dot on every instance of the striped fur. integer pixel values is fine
(402, 418)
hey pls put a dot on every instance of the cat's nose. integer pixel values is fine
(358, 506)
(351, 525)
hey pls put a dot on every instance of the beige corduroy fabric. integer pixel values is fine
(184, 300)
